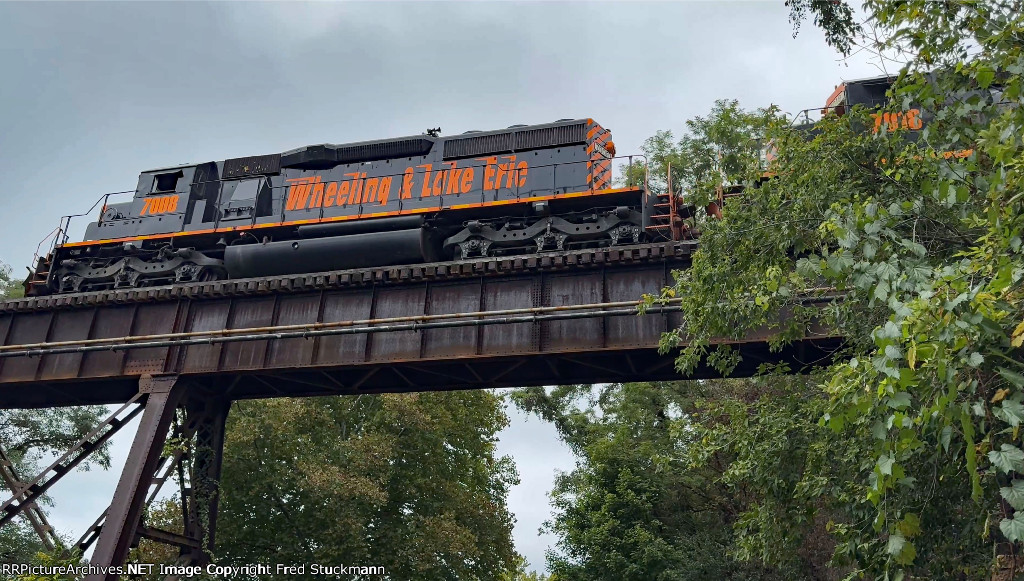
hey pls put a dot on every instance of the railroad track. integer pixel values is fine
(474, 267)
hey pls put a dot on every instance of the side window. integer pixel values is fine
(166, 182)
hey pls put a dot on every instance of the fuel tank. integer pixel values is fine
(409, 246)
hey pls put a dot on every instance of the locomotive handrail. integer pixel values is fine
(806, 114)
(873, 103)
(55, 233)
(65, 224)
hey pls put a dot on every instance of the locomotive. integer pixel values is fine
(424, 198)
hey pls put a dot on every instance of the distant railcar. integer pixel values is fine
(327, 207)
(872, 94)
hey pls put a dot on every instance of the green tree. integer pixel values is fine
(710, 154)
(637, 506)
(520, 573)
(409, 482)
(925, 248)
(9, 287)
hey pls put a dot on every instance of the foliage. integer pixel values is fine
(710, 152)
(924, 403)
(520, 573)
(834, 17)
(19, 543)
(28, 435)
(9, 287)
(637, 506)
(409, 482)
(54, 562)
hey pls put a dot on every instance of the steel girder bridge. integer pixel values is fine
(550, 319)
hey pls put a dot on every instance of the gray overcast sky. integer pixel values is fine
(92, 94)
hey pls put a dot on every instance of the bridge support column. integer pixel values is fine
(123, 518)
(200, 505)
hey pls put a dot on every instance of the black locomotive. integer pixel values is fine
(327, 207)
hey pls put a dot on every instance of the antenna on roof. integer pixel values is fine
(434, 132)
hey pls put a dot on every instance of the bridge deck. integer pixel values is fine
(406, 334)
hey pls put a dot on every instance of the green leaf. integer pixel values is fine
(808, 268)
(896, 543)
(1014, 378)
(899, 400)
(1012, 528)
(910, 526)
(869, 249)
(879, 431)
(1011, 412)
(902, 550)
(882, 291)
(944, 437)
(914, 247)
(971, 455)
(985, 76)
(1014, 494)
(885, 463)
(907, 555)
(1008, 458)
(885, 270)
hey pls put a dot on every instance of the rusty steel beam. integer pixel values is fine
(35, 516)
(269, 333)
(202, 502)
(92, 533)
(121, 525)
(323, 330)
(168, 465)
(122, 521)
(168, 538)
